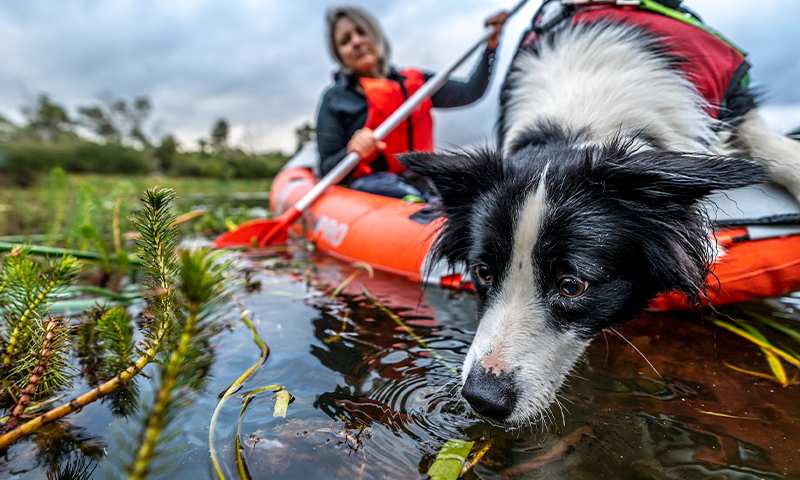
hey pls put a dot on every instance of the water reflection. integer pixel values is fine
(55, 445)
(371, 402)
(621, 416)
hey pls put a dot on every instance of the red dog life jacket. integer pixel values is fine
(384, 96)
(713, 65)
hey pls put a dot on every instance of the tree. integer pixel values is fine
(115, 120)
(166, 152)
(304, 134)
(136, 116)
(47, 119)
(219, 135)
(96, 119)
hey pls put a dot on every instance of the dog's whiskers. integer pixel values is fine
(638, 351)
(566, 400)
(561, 407)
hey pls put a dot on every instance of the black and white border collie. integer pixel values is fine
(591, 205)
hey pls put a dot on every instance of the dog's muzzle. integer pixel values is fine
(491, 395)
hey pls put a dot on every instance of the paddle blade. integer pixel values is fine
(279, 231)
(249, 234)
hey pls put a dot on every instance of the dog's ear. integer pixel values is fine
(678, 177)
(661, 192)
(460, 179)
(458, 176)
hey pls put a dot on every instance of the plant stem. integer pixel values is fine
(233, 389)
(115, 224)
(53, 251)
(26, 315)
(155, 424)
(80, 402)
(33, 382)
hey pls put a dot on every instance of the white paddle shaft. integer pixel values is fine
(429, 88)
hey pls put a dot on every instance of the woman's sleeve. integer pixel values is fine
(457, 94)
(331, 137)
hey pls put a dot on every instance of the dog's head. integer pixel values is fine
(563, 241)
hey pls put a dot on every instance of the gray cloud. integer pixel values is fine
(264, 66)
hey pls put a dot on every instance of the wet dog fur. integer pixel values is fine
(590, 207)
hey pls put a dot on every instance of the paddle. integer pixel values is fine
(266, 232)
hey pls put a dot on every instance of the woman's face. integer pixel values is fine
(357, 49)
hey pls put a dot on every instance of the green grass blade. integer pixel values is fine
(777, 368)
(781, 328)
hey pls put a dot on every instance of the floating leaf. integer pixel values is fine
(281, 404)
(450, 459)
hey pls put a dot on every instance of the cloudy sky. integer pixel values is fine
(263, 65)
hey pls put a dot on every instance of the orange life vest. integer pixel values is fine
(384, 96)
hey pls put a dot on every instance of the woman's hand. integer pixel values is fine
(497, 21)
(365, 144)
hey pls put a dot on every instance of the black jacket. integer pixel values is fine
(344, 110)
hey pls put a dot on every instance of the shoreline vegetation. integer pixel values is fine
(109, 138)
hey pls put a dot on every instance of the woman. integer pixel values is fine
(367, 90)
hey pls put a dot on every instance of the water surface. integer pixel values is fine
(370, 402)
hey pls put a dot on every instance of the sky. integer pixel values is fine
(263, 65)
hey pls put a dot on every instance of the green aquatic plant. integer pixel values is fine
(203, 286)
(775, 355)
(44, 369)
(77, 470)
(27, 290)
(231, 391)
(116, 332)
(158, 251)
(185, 293)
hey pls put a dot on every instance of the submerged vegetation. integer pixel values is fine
(184, 292)
(776, 355)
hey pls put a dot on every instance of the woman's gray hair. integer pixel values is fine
(366, 22)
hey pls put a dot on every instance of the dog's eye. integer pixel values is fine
(571, 287)
(484, 274)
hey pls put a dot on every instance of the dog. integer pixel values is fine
(590, 205)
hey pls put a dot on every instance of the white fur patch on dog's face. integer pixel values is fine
(514, 335)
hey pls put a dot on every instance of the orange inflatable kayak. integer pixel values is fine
(758, 240)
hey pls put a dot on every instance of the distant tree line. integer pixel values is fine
(109, 138)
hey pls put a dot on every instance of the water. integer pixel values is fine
(370, 402)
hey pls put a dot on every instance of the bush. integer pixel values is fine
(25, 160)
(228, 165)
(256, 166)
(110, 158)
(196, 165)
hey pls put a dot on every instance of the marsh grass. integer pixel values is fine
(778, 343)
(44, 208)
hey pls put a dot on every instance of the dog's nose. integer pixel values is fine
(491, 395)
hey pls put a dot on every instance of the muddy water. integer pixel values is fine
(369, 401)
